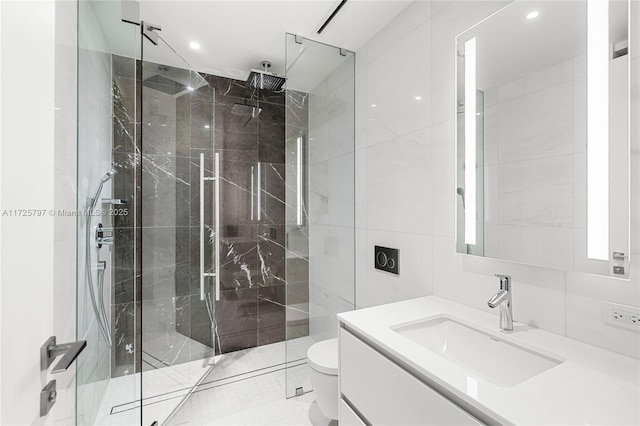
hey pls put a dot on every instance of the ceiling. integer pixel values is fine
(235, 36)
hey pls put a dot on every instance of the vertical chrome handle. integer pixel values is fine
(252, 195)
(299, 181)
(217, 223)
(201, 226)
(259, 192)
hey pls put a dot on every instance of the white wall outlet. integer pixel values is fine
(621, 315)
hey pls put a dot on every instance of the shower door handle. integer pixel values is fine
(69, 351)
(216, 224)
(216, 221)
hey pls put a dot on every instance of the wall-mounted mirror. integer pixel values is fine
(542, 173)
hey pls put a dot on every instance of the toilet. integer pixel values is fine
(323, 360)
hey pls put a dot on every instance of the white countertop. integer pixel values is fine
(592, 386)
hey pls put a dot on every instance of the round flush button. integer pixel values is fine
(381, 259)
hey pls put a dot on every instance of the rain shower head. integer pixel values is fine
(164, 85)
(245, 110)
(263, 79)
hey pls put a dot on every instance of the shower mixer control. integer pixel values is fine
(114, 201)
(104, 236)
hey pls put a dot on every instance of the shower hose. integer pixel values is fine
(98, 304)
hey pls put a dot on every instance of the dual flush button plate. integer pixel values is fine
(386, 259)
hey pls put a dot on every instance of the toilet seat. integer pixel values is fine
(323, 356)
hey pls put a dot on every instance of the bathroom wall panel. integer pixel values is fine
(239, 308)
(127, 289)
(296, 111)
(271, 255)
(176, 131)
(234, 132)
(273, 193)
(224, 86)
(271, 314)
(94, 159)
(562, 302)
(122, 361)
(239, 257)
(271, 132)
(331, 200)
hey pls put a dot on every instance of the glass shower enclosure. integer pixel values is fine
(223, 241)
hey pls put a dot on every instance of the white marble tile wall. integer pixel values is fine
(29, 74)
(405, 185)
(94, 160)
(394, 180)
(530, 177)
(331, 186)
(64, 227)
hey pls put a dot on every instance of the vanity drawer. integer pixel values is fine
(385, 393)
(348, 417)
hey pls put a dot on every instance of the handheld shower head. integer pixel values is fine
(460, 192)
(107, 176)
(110, 174)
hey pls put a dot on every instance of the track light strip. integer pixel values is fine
(335, 12)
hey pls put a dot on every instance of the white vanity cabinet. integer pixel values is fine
(376, 391)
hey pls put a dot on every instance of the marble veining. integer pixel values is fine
(159, 280)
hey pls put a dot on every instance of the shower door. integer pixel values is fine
(320, 173)
(179, 228)
(107, 388)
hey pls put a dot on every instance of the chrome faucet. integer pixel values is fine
(503, 299)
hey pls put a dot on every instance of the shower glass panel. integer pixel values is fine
(249, 127)
(178, 228)
(320, 198)
(106, 284)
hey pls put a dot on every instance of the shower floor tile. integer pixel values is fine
(227, 385)
(255, 401)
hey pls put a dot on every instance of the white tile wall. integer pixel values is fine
(406, 149)
(534, 186)
(93, 161)
(331, 184)
(64, 228)
(37, 172)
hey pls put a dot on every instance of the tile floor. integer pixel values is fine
(255, 401)
(240, 383)
(161, 349)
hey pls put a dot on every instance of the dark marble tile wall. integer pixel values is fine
(156, 266)
(177, 127)
(297, 247)
(126, 271)
(251, 311)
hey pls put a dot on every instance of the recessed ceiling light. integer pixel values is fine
(206, 126)
(373, 105)
(418, 98)
(533, 15)
(194, 45)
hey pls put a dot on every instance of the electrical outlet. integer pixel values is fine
(621, 315)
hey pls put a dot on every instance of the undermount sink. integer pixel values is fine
(498, 361)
